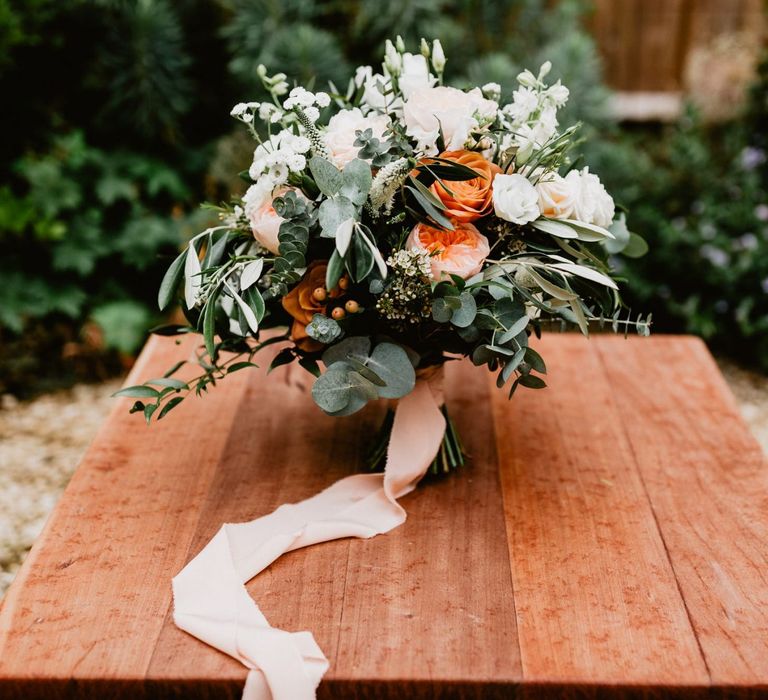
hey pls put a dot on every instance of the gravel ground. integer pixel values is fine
(43, 440)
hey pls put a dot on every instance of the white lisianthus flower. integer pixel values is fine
(415, 74)
(558, 94)
(457, 113)
(525, 101)
(374, 85)
(340, 134)
(557, 197)
(515, 199)
(592, 203)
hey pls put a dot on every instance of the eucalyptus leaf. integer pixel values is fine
(334, 212)
(355, 346)
(465, 314)
(323, 329)
(391, 363)
(327, 176)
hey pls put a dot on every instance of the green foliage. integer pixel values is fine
(699, 195)
(80, 235)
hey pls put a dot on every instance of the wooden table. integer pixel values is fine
(608, 539)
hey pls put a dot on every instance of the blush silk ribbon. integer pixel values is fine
(210, 598)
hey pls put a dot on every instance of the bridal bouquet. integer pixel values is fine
(387, 229)
(393, 226)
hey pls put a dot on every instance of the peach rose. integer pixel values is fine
(468, 200)
(302, 305)
(265, 221)
(459, 252)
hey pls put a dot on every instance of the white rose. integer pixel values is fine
(340, 133)
(515, 199)
(556, 196)
(265, 221)
(592, 204)
(415, 74)
(428, 110)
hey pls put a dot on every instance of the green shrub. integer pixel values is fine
(699, 195)
(84, 228)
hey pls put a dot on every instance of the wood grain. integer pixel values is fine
(707, 482)
(594, 590)
(607, 539)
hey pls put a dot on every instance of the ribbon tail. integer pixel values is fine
(210, 598)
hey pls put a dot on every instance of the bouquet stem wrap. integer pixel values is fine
(210, 598)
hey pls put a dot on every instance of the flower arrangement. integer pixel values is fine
(393, 226)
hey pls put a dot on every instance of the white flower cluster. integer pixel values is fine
(268, 112)
(531, 117)
(411, 263)
(244, 111)
(273, 161)
(308, 102)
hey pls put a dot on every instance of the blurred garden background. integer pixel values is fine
(116, 127)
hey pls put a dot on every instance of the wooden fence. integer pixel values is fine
(646, 44)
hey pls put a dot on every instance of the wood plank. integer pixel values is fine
(707, 480)
(617, 556)
(282, 449)
(596, 598)
(91, 599)
(440, 585)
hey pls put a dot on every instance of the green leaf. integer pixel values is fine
(171, 281)
(237, 366)
(431, 211)
(391, 363)
(620, 236)
(310, 364)
(326, 175)
(441, 311)
(357, 346)
(535, 360)
(636, 248)
(255, 301)
(323, 329)
(334, 390)
(138, 392)
(334, 270)
(362, 259)
(333, 213)
(170, 405)
(284, 357)
(169, 382)
(209, 325)
(517, 327)
(357, 181)
(149, 409)
(465, 314)
(532, 382)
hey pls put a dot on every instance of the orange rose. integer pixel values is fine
(302, 305)
(467, 200)
(459, 252)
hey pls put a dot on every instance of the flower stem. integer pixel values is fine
(450, 456)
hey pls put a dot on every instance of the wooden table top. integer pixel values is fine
(608, 538)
